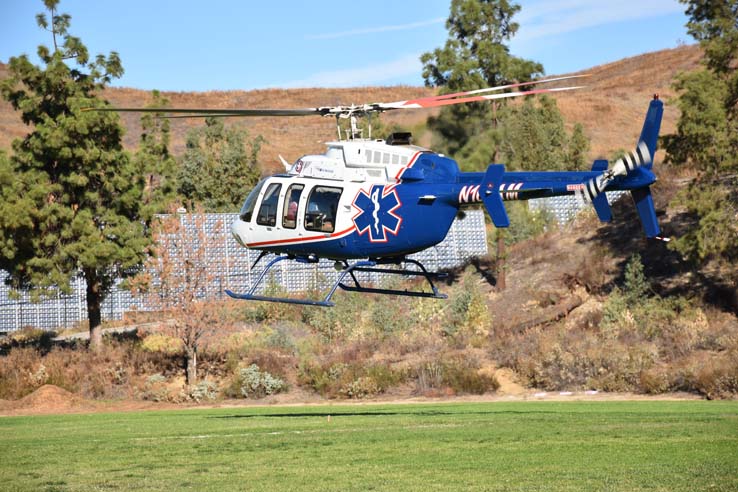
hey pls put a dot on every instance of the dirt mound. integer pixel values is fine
(48, 399)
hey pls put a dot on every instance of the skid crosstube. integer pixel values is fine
(359, 266)
(357, 287)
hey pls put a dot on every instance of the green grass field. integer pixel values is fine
(669, 446)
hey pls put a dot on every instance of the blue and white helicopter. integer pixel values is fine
(367, 204)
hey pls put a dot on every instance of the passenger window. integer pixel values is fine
(385, 158)
(395, 159)
(377, 157)
(368, 156)
(268, 211)
(321, 209)
(291, 203)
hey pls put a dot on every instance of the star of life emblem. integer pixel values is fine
(376, 214)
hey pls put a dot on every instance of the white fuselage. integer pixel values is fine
(313, 201)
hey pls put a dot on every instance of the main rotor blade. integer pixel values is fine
(495, 89)
(433, 103)
(189, 113)
(357, 110)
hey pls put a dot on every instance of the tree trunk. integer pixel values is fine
(94, 299)
(500, 232)
(501, 284)
(191, 365)
(551, 314)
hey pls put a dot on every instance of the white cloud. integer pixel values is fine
(543, 19)
(405, 66)
(372, 30)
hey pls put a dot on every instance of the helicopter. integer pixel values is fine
(367, 204)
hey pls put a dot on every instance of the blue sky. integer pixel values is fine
(196, 45)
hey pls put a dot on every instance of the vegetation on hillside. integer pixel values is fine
(581, 312)
(706, 140)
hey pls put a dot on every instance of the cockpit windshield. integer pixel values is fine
(248, 206)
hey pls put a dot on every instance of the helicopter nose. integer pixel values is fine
(239, 230)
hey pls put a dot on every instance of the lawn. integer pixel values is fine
(629, 446)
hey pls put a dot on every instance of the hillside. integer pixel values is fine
(611, 108)
(569, 319)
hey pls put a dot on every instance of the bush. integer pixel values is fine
(363, 387)
(463, 376)
(157, 342)
(468, 313)
(204, 390)
(27, 337)
(718, 378)
(655, 380)
(457, 374)
(251, 382)
(349, 380)
(338, 322)
(429, 377)
(155, 388)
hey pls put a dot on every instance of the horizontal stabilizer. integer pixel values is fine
(600, 165)
(491, 196)
(604, 213)
(646, 211)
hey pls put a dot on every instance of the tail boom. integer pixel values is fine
(630, 173)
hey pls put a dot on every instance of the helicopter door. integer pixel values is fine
(322, 206)
(267, 215)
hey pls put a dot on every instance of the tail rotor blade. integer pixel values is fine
(622, 167)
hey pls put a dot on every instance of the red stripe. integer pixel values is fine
(409, 164)
(448, 102)
(300, 239)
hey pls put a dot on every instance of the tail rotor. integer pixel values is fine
(622, 167)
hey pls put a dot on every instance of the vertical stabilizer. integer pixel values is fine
(646, 211)
(491, 195)
(651, 127)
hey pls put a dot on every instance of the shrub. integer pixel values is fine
(155, 388)
(349, 380)
(338, 322)
(27, 337)
(279, 337)
(204, 390)
(463, 376)
(363, 387)
(457, 374)
(429, 377)
(158, 342)
(654, 380)
(251, 382)
(468, 313)
(718, 378)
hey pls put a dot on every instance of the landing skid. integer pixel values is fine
(356, 286)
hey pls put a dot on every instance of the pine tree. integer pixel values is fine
(707, 134)
(75, 203)
(219, 166)
(578, 148)
(475, 56)
(153, 160)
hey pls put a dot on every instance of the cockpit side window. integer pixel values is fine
(321, 209)
(291, 204)
(248, 206)
(268, 211)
